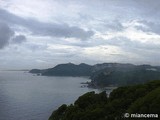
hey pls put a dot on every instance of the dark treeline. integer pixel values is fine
(143, 98)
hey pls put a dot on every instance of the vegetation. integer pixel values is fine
(106, 74)
(124, 74)
(144, 98)
(68, 69)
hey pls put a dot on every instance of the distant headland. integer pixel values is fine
(105, 74)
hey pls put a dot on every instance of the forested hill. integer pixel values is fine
(144, 98)
(68, 69)
(124, 74)
(105, 74)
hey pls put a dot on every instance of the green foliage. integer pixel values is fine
(150, 103)
(56, 115)
(69, 70)
(121, 75)
(143, 98)
(90, 98)
(106, 74)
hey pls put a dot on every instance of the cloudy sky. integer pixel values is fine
(43, 33)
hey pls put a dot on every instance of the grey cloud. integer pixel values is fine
(150, 26)
(149, 6)
(136, 51)
(114, 25)
(19, 39)
(59, 30)
(127, 44)
(46, 29)
(5, 34)
(106, 25)
(36, 47)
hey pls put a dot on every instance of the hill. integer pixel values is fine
(116, 74)
(139, 99)
(105, 74)
(67, 69)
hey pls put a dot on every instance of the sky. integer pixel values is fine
(44, 33)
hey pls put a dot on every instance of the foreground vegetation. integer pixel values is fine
(144, 98)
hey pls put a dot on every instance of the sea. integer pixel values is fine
(25, 96)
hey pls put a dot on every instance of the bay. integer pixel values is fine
(24, 96)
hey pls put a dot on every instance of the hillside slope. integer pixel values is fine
(67, 69)
(144, 98)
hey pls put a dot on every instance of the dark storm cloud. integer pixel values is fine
(19, 39)
(5, 34)
(46, 29)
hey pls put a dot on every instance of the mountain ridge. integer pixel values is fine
(66, 69)
(105, 74)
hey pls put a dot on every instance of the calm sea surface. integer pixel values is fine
(27, 97)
